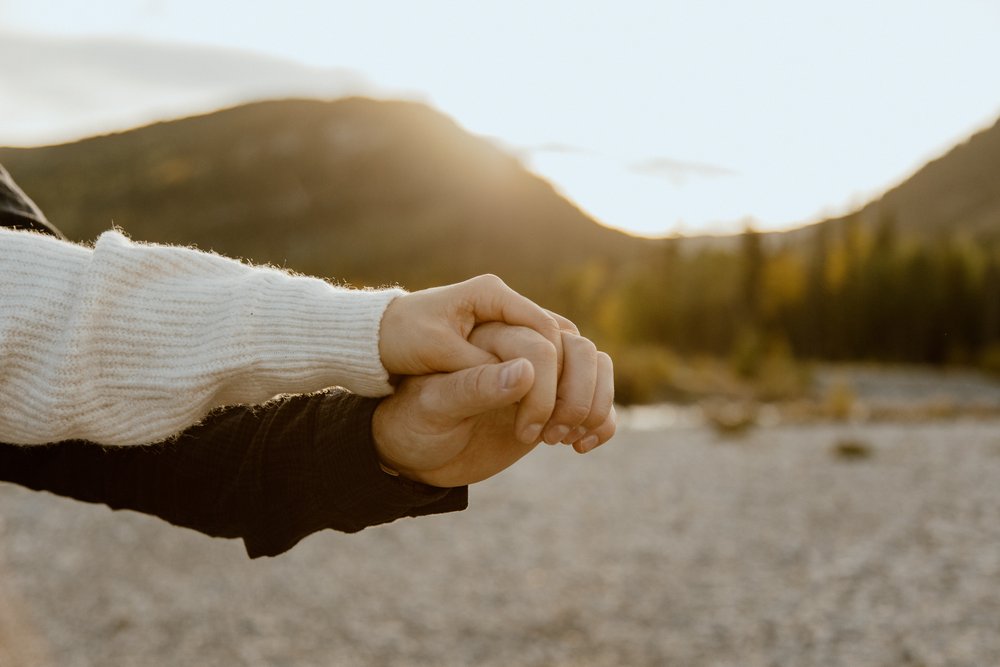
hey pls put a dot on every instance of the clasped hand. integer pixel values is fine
(485, 375)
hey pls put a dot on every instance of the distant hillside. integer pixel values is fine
(954, 196)
(380, 191)
(361, 190)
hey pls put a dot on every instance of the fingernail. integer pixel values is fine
(588, 443)
(556, 434)
(511, 374)
(531, 432)
(574, 435)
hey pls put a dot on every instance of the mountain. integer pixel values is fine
(365, 191)
(373, 192)
(954, 196)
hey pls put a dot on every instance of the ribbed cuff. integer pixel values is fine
(310, 332)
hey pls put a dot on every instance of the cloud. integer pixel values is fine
(68, 87)
(679, 171)
(557, 147)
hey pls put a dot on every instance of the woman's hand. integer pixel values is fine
(427, 331)
(572, 398)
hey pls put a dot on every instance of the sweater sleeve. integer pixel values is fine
(126, 342)
(270, 475)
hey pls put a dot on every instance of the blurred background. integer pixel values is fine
(781, 220)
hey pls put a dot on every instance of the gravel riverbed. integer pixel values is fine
(667, 547)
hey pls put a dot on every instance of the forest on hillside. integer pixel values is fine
(852, 293)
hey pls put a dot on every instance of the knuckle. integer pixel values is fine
(582, 346)
(538, 347)
(568, 326)
(474, 382)
(490, 281)
(571, 413)
(551, 328)
(516, 334)
(597, 417)
(565, 324)
(427, 398)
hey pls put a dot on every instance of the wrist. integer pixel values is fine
(388, 333)
(381, 437)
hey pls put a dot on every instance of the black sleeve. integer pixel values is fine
(18, 211)
(270, 474)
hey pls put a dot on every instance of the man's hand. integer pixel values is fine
(455, 429)
(427, 331)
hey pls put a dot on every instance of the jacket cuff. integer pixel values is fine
(347, 488)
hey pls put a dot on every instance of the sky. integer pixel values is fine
(656, 117)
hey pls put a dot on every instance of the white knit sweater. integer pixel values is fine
(128, 343)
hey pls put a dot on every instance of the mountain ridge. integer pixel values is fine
(954, 194)
(398, 192)
(394, 192)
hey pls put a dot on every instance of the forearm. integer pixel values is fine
(270, 475)
(128, 343)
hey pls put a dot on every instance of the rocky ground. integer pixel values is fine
(673, 545)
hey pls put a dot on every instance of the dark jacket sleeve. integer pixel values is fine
(18, 211)
(270, 474)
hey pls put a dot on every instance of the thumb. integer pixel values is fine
(473, 391)
(462, 354)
